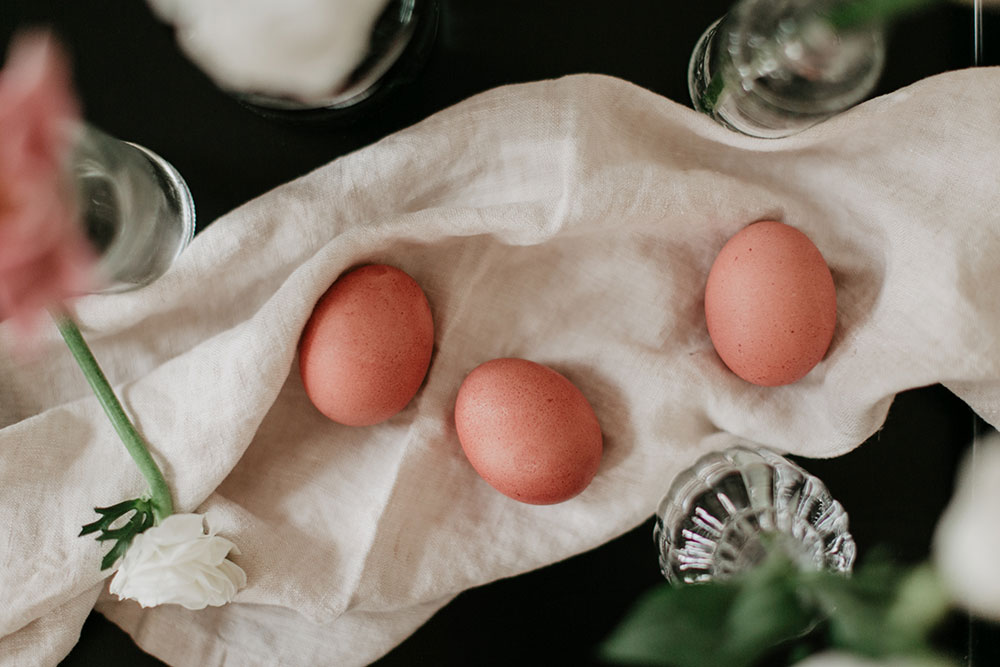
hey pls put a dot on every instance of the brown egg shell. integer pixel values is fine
(367, 346)
(770, 304)
(528, 431)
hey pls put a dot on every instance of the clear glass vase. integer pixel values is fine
(771, 68)
(135, 207)
(722, 516)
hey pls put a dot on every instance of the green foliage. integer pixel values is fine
(672, 625)
(856, 13)
(710, 98)
(141, 520)
(881, 610)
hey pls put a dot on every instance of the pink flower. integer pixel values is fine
(44, 254)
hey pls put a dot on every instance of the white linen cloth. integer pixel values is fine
(571, 222)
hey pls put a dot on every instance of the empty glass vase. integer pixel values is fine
(771, 68)
(723, 515)
(134, 206)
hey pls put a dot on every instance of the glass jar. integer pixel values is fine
(134, 206)
(771, 68)
(399, 45)
(724, 514)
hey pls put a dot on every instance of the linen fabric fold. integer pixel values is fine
(571, 222)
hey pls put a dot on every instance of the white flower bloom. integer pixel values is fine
(176, 562)
(298, 48)
(968, 536)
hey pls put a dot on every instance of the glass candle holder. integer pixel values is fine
(771, 68)
(723, 515)
(135, 207)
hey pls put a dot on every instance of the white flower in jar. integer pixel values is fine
(302, 49)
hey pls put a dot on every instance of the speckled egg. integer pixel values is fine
(528, 431)
(367, 346)
(770, 304)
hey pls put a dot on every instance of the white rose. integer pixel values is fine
(968, 536)
(297, 48)
(176, 562)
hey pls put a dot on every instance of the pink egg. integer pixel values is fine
(528, 431)
(770, 304)
(367, 346)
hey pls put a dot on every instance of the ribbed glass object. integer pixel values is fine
(722, 515)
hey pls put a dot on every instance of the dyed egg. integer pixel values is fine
(367, 346)
(770, 304)
(528, 431)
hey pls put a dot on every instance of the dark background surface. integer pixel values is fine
(136, 85)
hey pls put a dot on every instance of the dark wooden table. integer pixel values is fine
(137, 86)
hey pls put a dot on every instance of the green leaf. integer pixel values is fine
(116, 552)
(766, 613)
(109, 515)
(91, 528)
(673, 625)
(710, 98)
(142, 520)
(856, 607)
(883, 610)
(921, 603)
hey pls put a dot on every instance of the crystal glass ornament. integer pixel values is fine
(771, 68)
(722, 515)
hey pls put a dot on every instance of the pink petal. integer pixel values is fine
(44, 254)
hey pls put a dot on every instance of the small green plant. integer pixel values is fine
(778, 613)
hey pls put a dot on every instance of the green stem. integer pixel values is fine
(162, 503)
